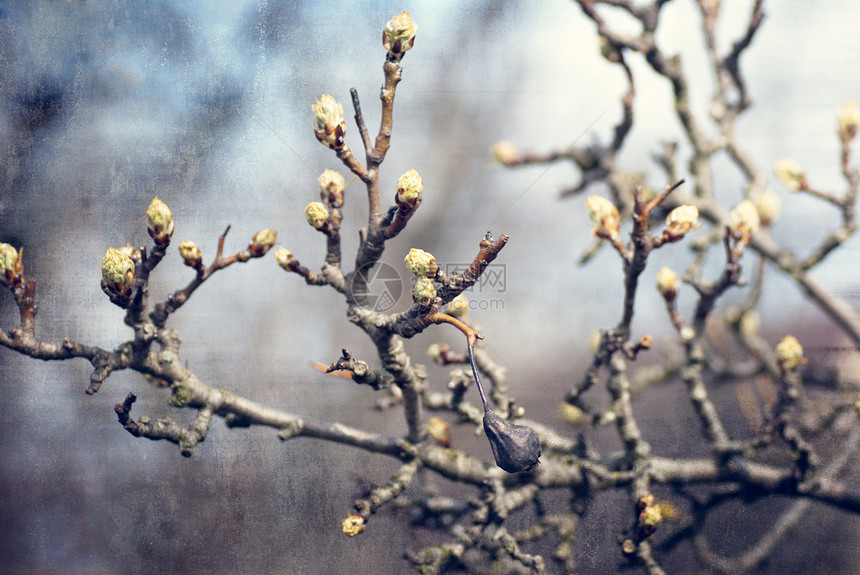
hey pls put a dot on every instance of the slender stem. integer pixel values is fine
(477, 379)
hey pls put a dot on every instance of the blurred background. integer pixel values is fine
(207, 105)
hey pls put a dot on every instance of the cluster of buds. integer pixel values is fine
(118, 273)
(317, 215)
(650, 515)
(409, 188)
(329, 125)
(603, 213)
(667, 284)
(353, 524)
(11, 268)
(331, 188)
(262, 242)
(848, 121)
(790, 175)
(681, 220)
(159, 222)
(285, 259)
(191, 254)
(424, 266)
(399, 36)
(789, 354)
(744, 221)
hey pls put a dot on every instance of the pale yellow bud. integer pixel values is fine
(572, 415)
(457, 307)
(650, 518)
(423, 291)
(262, 242)
(159, 222)
(316, 215)
(399, 35)
(329, 125)
(118, 272)
(667, 284)
(132, 252)
(439, 430)
(421, 263)
(750, 323)
(768, 205)
(680, 221)
(848, 121)
(353, 524)
(409, 188)
(11, 267)
(506, 153)
(789, 353)
(790, 174)
(285, 258)
(437, 351)
(190, 254)
(331, 188)
(744, 221)
(603, 213)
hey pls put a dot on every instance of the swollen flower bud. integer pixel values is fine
(437, 352)
(767, 204)
(744, 221)
(11, 267)
(667, 284)
(650, 517)
(353, 524)
(848, 121)
(439, 430)
(132, 252)
(285, 258)
(329, 125)
(118, 273)
(331, 188)
(603, 213)
(409, 187)
(791, 175)
(457, 307)
(316, 215)
(262, 242)
(399, 35)
(680, 221)
(506, 153)
(423, 291)
(191, 254)
(789, 353)
(421, 263)
(159, 222)
(515, 447)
